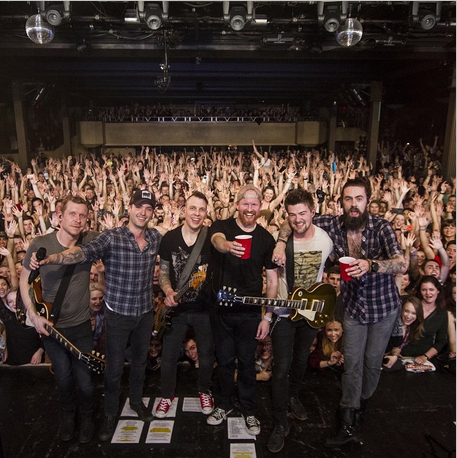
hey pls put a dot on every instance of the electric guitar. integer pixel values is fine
(316, 305)
(95, 361)
(163, 314)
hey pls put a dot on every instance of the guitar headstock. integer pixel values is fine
(227, 297)
(198, 277)
(95, 361)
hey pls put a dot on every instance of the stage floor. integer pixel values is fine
(410, 415)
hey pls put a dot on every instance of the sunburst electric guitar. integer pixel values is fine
(95, 361)
(316, 304)
(164, 313)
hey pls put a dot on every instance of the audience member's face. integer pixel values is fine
(405, 281)
(190, 349)
(18, 267)
(93, 274)
(268, 195)
(374, 208)
(5, 272)
(432, 268)
(420, 258)
(450, 250)
(449, 232)
(155, 348)
(11, 300)
(334, 279)
(408, 314)
(28, 226)
(3, 288)
(333, 331)
(265, 349)
(429, 293)
(3, 242)
(399, 221)
(95, 301)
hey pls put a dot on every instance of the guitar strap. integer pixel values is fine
(60, 296)
(196, 250)
(290, 268)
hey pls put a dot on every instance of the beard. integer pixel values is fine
(354, 223)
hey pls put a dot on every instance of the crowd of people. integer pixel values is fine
(150, 232)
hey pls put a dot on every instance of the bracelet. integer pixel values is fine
(426, 357)
(267, 318)
(282, 240)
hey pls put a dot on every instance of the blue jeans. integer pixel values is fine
(73, 377)
(119, 329)
(364, 347)
(291, 343)
(172, 346)
(234, 336)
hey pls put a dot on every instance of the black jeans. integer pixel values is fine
(73, 377)
(172, 345)
(291, 343)
(234, 336)
(119, 329)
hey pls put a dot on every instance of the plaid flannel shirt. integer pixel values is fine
(375, 295)
(129, 271)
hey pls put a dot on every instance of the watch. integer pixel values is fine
(374, 266)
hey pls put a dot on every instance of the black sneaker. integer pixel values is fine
(297, 409)
(142, 412)
(252, 425)
(276, 441)
(107, 429)
(87, 429)
(67, 426)
(345, 435)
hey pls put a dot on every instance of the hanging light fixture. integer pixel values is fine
(350, 33)
(38, 30)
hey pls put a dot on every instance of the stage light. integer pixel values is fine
(237, 18)
(153, 16)
(331, 16)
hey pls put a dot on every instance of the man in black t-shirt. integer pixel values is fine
(190, 310)
(236, 329)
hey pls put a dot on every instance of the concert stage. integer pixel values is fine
(410, 415)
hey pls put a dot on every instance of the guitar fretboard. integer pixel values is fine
(302, 304)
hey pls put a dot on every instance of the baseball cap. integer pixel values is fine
(142, 196)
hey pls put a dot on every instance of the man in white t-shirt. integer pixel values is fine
(308, 247)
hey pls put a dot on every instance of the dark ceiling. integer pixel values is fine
(282, 56)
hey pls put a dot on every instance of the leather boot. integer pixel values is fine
(107, 428)
(346, 433)
(67, 426)
(87, 429)
(360, 412)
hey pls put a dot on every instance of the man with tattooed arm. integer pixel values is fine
(371, 297)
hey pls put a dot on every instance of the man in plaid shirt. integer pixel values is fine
(371, 297)
(129, 255)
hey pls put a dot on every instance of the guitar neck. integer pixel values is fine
(182, 291)
(266, 302)
(64, 342)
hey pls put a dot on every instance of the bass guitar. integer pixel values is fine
(163, 314)
(94, 361)
(316, 304)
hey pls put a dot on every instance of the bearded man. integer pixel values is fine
(371, 297)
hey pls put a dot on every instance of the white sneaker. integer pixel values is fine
(217, 417)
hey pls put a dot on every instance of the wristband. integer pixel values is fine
(267, 318)
(282, 240)
(426, 357)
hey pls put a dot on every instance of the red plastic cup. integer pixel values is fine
(344, 264)
(246, 241)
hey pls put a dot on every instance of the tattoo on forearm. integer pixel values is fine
(284, 231)
(72, 256)
(396, 265)
(164, 274)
